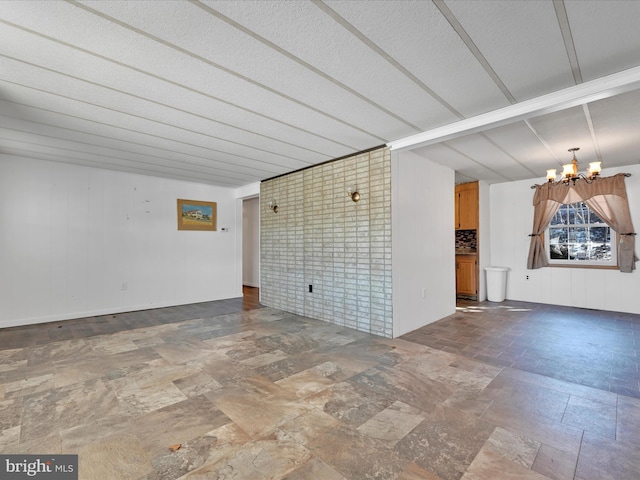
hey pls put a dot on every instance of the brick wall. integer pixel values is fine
(320, 237)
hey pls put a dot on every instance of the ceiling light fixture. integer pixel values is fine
(570, 171)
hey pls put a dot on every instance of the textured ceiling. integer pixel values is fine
(233, 92)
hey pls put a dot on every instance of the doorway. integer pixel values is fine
(251, 246)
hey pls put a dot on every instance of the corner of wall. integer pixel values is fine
(484, 240)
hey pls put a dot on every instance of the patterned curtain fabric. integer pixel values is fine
(607, 197)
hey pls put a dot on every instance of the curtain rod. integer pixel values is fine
(558, 183)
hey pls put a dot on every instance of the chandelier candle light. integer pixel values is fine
(570, 171)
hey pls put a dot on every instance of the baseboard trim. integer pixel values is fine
(19, 322)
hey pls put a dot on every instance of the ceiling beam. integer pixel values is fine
(574, 96)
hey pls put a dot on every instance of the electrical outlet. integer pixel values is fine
(527, 277)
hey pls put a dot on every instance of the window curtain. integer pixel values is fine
(607, 197)
(546, 202)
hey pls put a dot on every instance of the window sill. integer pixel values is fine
(599, 267)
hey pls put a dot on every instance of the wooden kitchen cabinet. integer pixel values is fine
(466, 206)
(466, 275)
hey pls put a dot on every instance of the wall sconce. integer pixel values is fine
(354, 194)
(273, 206)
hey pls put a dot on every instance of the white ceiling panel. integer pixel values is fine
(522, 42)
(446, 156)
(369, 75)
(119, 109)
(149, 127)
(131, 139)
(564, 130)
(45, 151)
(313, 33)
(113, 42)
(521, 142)
(613, 120)
(421, 40)
(130, 83)
(479, 147)
(233, 92)
(236, 54)
(108, 156)
(606, 35)
(229, 166)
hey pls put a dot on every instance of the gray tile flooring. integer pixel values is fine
(496, 391)
(589, 347)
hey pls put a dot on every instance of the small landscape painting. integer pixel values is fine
(196, 215)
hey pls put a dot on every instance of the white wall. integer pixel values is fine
(484, 237)
(246, 191)
(77, 241)
(511, 222)
(251, 242)
(423, 241)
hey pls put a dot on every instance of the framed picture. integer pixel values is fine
(196, 215)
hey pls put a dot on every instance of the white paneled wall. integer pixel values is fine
(424, 284)
(78, 241)
(511, 222)
(320, 237)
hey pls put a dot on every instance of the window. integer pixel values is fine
(577, 236)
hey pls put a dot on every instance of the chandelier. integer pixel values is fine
(570, 171)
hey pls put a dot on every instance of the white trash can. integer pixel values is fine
(496, 283)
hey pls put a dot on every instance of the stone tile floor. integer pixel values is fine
(496, 391)
(589, 347)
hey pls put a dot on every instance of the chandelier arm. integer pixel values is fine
(562, 182)
(570, 173)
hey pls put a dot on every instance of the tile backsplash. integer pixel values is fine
(466, 240)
